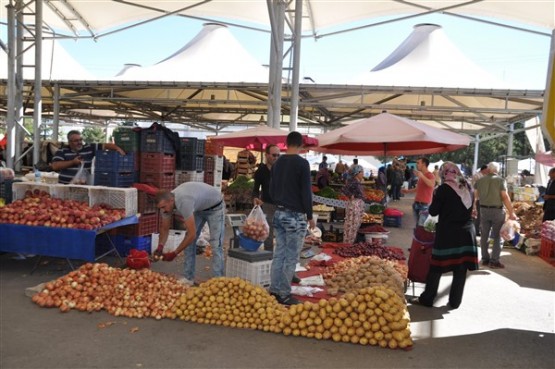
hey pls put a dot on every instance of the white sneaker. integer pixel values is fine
(186, 281)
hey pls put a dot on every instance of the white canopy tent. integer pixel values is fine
(213, 55)
(427, 58)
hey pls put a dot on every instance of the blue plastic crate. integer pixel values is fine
(114, 179)
(191, 163)
(156, 141)
(125, 243)
(389, 221)
(112, 161)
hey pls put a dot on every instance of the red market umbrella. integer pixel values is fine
(388, 134)
(258, 138)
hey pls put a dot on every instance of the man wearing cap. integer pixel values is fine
(491, 192)
(424, 187)
(353, 214)
(194, 205)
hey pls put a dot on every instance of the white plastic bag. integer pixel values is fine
(256, 226)
(82, 177)
(508, 229)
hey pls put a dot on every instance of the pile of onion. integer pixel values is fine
(256, 229)
(121, 292)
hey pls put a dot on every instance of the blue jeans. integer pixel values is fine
(290, 231)
(417, 208)
(215, 220)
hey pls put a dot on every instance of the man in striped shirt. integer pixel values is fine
(68, 159)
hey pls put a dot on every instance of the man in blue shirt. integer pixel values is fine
(290, 189)
(68, 159)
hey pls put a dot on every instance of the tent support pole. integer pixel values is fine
(56, 123)
(476, 151)
(294, 105)
(510, 140)
(37, 114)
(277, 19)
(10, 114)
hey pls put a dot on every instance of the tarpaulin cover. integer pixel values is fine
(57, 242)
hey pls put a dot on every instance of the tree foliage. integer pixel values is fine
(93, 134)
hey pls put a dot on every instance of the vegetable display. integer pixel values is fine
(121, 292)
(368, 249)
(38, 208)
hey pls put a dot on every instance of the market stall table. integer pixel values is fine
(65, 243)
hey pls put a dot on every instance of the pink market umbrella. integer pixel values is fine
(388, 134)
(258, 138)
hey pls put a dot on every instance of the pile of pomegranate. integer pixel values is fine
(38, 208)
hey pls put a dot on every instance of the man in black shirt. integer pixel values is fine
(262, 177)
(291, 192)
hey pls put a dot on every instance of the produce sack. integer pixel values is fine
(508, 229)
(137, 259)
(83, 176)
(256, 227)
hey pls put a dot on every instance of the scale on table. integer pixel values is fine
(235, 251)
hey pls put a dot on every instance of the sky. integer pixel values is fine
(516, 57)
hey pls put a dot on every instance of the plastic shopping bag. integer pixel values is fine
(82, 177)
(509, 229)
(256, 227)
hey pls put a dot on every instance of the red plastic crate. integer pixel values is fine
(148, 224)
(547, 250)
(157, 162)
(160, 180)
(146, 203)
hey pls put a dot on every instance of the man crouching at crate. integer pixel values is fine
(194, 204)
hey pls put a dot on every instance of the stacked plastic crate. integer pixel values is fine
(191, 163)
(213, 168)
(157, 161)
(113, 169)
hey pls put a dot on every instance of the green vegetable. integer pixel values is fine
(328, 192)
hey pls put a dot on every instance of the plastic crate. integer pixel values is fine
(114, 179)
(117, 198)
(389, 221)
(146, 203)
(213, 163)
(256, 273)
(190, 162)
(159, 180)
(213, 178)
(547, 250)
(125, 243)
(74, 192)
(192, 146)
(128, 139)
(175, 236)
(6, 191)
(148, 224)
(20, 188)
(155, 141)
(212, 147)
(152, 162)
(112, 161)
(188, 176)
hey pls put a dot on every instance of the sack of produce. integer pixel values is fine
(256, 227)
(508, 229)
(138, 259)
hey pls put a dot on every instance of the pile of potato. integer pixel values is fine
(370, 316)
(231, 302)
(366, 271)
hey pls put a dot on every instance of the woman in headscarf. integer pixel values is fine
(455, 247)
(353, 214)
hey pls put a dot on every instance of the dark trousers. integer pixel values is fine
(455, 293)
(477, 220)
